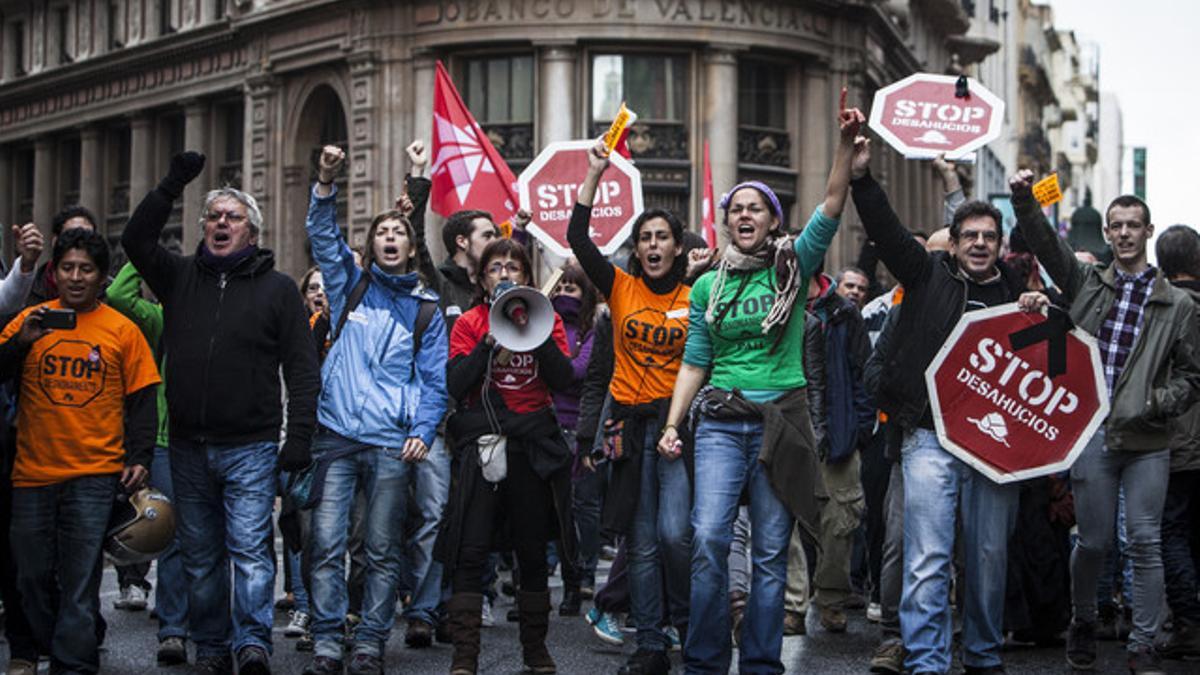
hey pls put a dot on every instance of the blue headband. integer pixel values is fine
(767, 192)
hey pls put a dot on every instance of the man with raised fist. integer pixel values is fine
(231, 324)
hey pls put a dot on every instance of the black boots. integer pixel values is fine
(464, 616)
(534, 610)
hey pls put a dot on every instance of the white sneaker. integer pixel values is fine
(874, 612)
(487, 620)
(298, 625)
(138, 599)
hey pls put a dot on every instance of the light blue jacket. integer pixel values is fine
(371, 391)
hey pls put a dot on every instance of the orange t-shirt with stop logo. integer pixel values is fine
(71, 411)
(649, 333)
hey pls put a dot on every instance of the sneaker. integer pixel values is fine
(888, 657)
(419, 634)
(324, 665)
(833, 619)
(606, 627)
(608, 552)
(572, 601)
(628, 626)
(138, 599)
(1081, 645)
(253, 660)
(1184, 643)
(673, 641)
(285, 604)
(21, 667)
(646, 662)
(488, 620)
(587, 592)
(855, 601)
(1145, 661)
(215, 665)
(172, 651)
(793, 623)
(305, 643)
(365, 664)
(874, 612)
(298, 625)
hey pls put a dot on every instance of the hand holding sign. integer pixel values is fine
(1046, 190)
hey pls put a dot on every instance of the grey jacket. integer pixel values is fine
(1161, 379)
(1185, 429)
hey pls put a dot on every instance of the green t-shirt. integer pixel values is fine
(736, 350)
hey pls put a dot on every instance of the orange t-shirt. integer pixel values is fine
(649, 333)
(71, 414)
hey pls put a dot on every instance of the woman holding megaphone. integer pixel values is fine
(513, 465)
(649, 494)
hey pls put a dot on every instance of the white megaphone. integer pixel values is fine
(521, 318)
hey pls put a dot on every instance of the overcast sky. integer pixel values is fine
(1148, 51)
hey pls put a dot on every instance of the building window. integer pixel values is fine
(219, 10)
(17, 51)
(116, 24)
(70, 163)
(499, 93)
(653, 85)
(166, 23)
(232, 119)
(24, 170)
(62, 17)
(763, 137)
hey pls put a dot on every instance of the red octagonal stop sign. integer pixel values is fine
(550, 185)
(921, 117)
(996, 408)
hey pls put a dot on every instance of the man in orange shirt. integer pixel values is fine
(86, 426)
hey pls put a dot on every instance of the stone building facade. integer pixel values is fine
(96, 95)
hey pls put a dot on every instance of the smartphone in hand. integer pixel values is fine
(59, 319)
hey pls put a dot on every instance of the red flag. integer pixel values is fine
(710, 220)
(467, 171)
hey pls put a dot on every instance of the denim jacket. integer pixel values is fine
(372, 389)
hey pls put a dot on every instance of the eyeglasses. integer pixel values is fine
(231, 217)
(987, 235)
(497, 268)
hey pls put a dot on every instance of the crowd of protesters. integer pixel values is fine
(743, 432)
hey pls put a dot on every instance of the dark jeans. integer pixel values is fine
(527, 501)
(17, 631)
(876, 474)
(58, 532)
(1180, 519)
(587, 498)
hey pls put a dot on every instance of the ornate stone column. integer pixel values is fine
(557, 94)
(816, 142)
(423, 69)
(258, 155)
(720, 123)
(91, 170)
(141, 158)
(197, 125)
(364, 150)
(45, 188)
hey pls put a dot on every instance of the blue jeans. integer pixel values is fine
(431, 489)
(170, 588)
(1097, 479)
(934, 483)
(224, 496)
(57, 538)
(384, 478)
(659, 541)
(726, 463)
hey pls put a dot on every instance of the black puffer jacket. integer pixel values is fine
(935, 297)
(227, 334)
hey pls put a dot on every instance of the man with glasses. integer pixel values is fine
(938, 488)
(231, 324)
(1146, 330)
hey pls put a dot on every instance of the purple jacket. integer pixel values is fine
(566, 402)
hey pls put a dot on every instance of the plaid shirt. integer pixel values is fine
(1123, 323)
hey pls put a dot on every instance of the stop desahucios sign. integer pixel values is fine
(549, 188)
(997, 407)
(921, 117)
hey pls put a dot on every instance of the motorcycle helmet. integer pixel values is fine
(141, 527)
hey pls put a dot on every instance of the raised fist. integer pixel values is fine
(332, 158)
(862, 157)
(29, 243)
(1021, 182)
(184, 168)
(417, 154)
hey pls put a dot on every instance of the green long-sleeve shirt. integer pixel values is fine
(125, 295)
